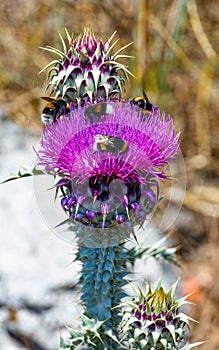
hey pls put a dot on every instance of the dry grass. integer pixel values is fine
(177, 62)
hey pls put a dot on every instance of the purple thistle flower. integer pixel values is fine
(67, 148)
(109, 166)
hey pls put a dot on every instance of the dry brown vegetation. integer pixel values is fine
(176, 45)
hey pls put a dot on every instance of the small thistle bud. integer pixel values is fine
(86, 69)
(154, 321)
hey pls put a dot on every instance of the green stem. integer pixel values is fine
(102, 279)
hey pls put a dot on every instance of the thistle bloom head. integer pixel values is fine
(86, 69)
(109, 168)
(154, 321)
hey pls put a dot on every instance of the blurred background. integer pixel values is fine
(176, 50)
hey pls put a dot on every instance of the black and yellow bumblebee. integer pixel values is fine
(54, 109)
(143, 103)
(115, 145)
(95, 111)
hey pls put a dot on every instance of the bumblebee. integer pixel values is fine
(143, 103)
(95, 111)
(53, 110)
(116, 145)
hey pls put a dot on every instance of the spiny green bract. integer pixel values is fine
(92, 335)
(86, 69)
(153, 321)
(89, 334)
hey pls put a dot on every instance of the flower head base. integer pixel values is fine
(108, 202)
(153, 321)
(109, 165)
(87, 70)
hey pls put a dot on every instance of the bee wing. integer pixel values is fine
(103, 108)
(145, 96)
(111, 142)
(109, 109)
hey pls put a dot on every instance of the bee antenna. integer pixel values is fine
(48, 99)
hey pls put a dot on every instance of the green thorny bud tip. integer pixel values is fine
(154, 322)
(86, 69)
